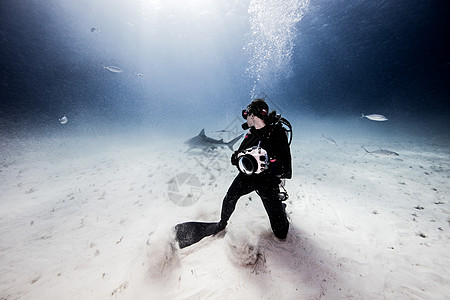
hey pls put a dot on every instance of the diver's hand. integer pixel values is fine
(234, 159)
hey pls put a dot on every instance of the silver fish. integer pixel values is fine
(374, 117)
(381, 152)
(329, 140)
(203, 142)
(113, 69)
(63, 120)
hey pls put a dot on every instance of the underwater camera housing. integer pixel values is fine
(252, 160)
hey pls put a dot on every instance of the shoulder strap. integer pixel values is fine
(283, 123)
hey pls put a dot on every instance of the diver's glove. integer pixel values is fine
(234, 158)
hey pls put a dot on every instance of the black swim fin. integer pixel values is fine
(192, 232)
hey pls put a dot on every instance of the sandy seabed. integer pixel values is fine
(93, 217)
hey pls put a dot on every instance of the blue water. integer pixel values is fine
(194, 64)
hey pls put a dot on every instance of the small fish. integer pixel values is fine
(63, 120)
(329, 140)
(139, 75)
(374, 117)
(224, 131)
(381, 152)
(93, 29)
(113, 69)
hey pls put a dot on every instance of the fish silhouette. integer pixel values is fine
(201, 141)
(381, 152)
(329, 140)
(374, 117)
(63, 120)
(113, 69)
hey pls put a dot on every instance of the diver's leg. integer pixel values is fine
(241, 185)
(274, 208)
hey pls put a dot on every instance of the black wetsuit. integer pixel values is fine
(273, 139)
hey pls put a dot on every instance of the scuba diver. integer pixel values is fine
(263, 159)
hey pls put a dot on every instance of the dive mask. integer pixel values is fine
(254, 109)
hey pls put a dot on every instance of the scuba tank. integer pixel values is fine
(286, 125)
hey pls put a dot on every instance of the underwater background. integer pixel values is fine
(186, 64)
(98, 99)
